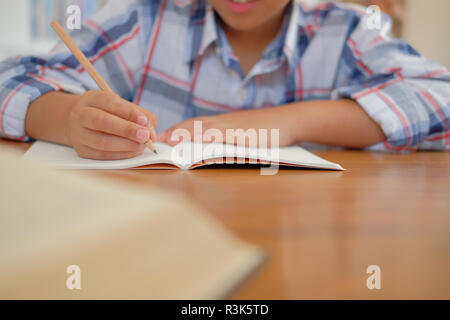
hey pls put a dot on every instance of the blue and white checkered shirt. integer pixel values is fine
(172, 57)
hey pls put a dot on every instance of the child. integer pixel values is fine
(320, 75)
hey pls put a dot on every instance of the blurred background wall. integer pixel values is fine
(424, 24)
(427, 28)
(24, 23)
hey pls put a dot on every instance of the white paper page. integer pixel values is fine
(296, 155)
(184, 155)
(58, 156)
(293, 155)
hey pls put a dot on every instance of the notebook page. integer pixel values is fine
(54, 155)
(293, 155)
(183, 155)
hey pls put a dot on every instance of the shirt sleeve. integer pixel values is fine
(408, 95)
(111, 40)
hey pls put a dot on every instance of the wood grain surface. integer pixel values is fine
(322, 229)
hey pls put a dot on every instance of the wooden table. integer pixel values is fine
(322, 229)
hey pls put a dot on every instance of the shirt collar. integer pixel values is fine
(296, 20)
(210, 34)
(203, 31)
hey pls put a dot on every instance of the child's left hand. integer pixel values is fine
(269, 118)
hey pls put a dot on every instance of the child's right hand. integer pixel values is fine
(103, 126)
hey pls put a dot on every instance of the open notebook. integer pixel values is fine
(183, 156)
(129, 242)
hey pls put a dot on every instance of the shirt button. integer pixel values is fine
(243, 94)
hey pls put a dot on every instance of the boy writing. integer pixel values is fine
(319, 75)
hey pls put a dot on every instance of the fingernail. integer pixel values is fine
(143, 135)
(142, 120)
(153, 133)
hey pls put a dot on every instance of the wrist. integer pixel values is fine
(48, 117)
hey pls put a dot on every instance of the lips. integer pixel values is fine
(241, 6)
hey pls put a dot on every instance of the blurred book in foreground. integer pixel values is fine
(128, 243)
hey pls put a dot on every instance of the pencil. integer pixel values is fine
(87, 65)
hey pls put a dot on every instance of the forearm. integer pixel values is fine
(47, 117)
(339, 123)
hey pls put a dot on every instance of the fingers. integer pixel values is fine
(91, 153)
(104, 126)
(113, 104)
(153, 121)
(99, 120)
(107, 142)
(182, 132)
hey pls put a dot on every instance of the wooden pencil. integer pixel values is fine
(87, 65)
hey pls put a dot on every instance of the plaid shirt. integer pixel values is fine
(172, 57)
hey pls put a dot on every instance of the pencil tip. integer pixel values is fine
(155, 152)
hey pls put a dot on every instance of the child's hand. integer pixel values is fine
(103, 126)
(271, 118)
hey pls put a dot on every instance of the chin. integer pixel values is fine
(242, 25)
(250, 17)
